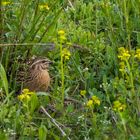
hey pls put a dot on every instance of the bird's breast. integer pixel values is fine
(39, 82)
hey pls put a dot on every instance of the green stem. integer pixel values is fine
(127, 22)
(62, 76)
(123, 122)
(131, 76)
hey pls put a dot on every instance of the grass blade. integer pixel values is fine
(4, 79)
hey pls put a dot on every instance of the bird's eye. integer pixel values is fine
(44, 61)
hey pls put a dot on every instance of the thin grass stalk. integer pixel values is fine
(131, 78)
(4, 79)
(1, 26)
(126, 15)
(81, 75)
(62, 76)
(50, 25)
(96, 22)
(35, 21)
(23, 14)
(33, 34)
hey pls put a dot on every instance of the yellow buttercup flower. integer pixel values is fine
(4, 3)
(123, 54)
(25, 90)
(83, 92)
(44, 7)
(21, 97)
(122, 67)
(25, 95)
(90, 103)
(137, 55)
(96, 100)
(66, 54)
(30, 93)
(61, 32)
(118, 106)
(62, 38)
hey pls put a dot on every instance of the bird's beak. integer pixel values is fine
(48, 62)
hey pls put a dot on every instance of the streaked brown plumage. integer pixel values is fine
(38, 78)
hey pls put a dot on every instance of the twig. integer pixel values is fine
(25, 44)
(71, 4)
(54, 121)
(50, 45)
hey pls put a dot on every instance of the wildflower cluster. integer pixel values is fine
(83, 92)
(118, 106)
(25, 95)
(62, 36)
(122, 67)
(137, 55)
(44, 7)
(4, 3)
(66, 54)
(93, 101)
(123, 54)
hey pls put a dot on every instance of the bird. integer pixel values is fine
(37, 77)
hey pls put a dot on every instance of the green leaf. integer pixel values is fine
(138, 38)
(4, 79)
(3, 136)
(34, 103)
(42, 132)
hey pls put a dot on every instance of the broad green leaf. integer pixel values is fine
(42, 132)
(34, 103)
(4, 79)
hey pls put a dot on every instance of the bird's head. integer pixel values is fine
(40, 63)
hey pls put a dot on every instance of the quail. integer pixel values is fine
(37, 76)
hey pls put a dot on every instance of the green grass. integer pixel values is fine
(103, 38)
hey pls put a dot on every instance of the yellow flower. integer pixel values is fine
(89, 103)
(137, 55)
(44, 7)
(123, 54)
(118, 106)
(4, 3)
(62, 38)
(66, 54)
(83, 92)
(26, 94)
(96, 100)
(21, 97)
(61, 32)
(122, 67)
(25, 90)
(121, 49)
(31, 93)
(27, 97)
